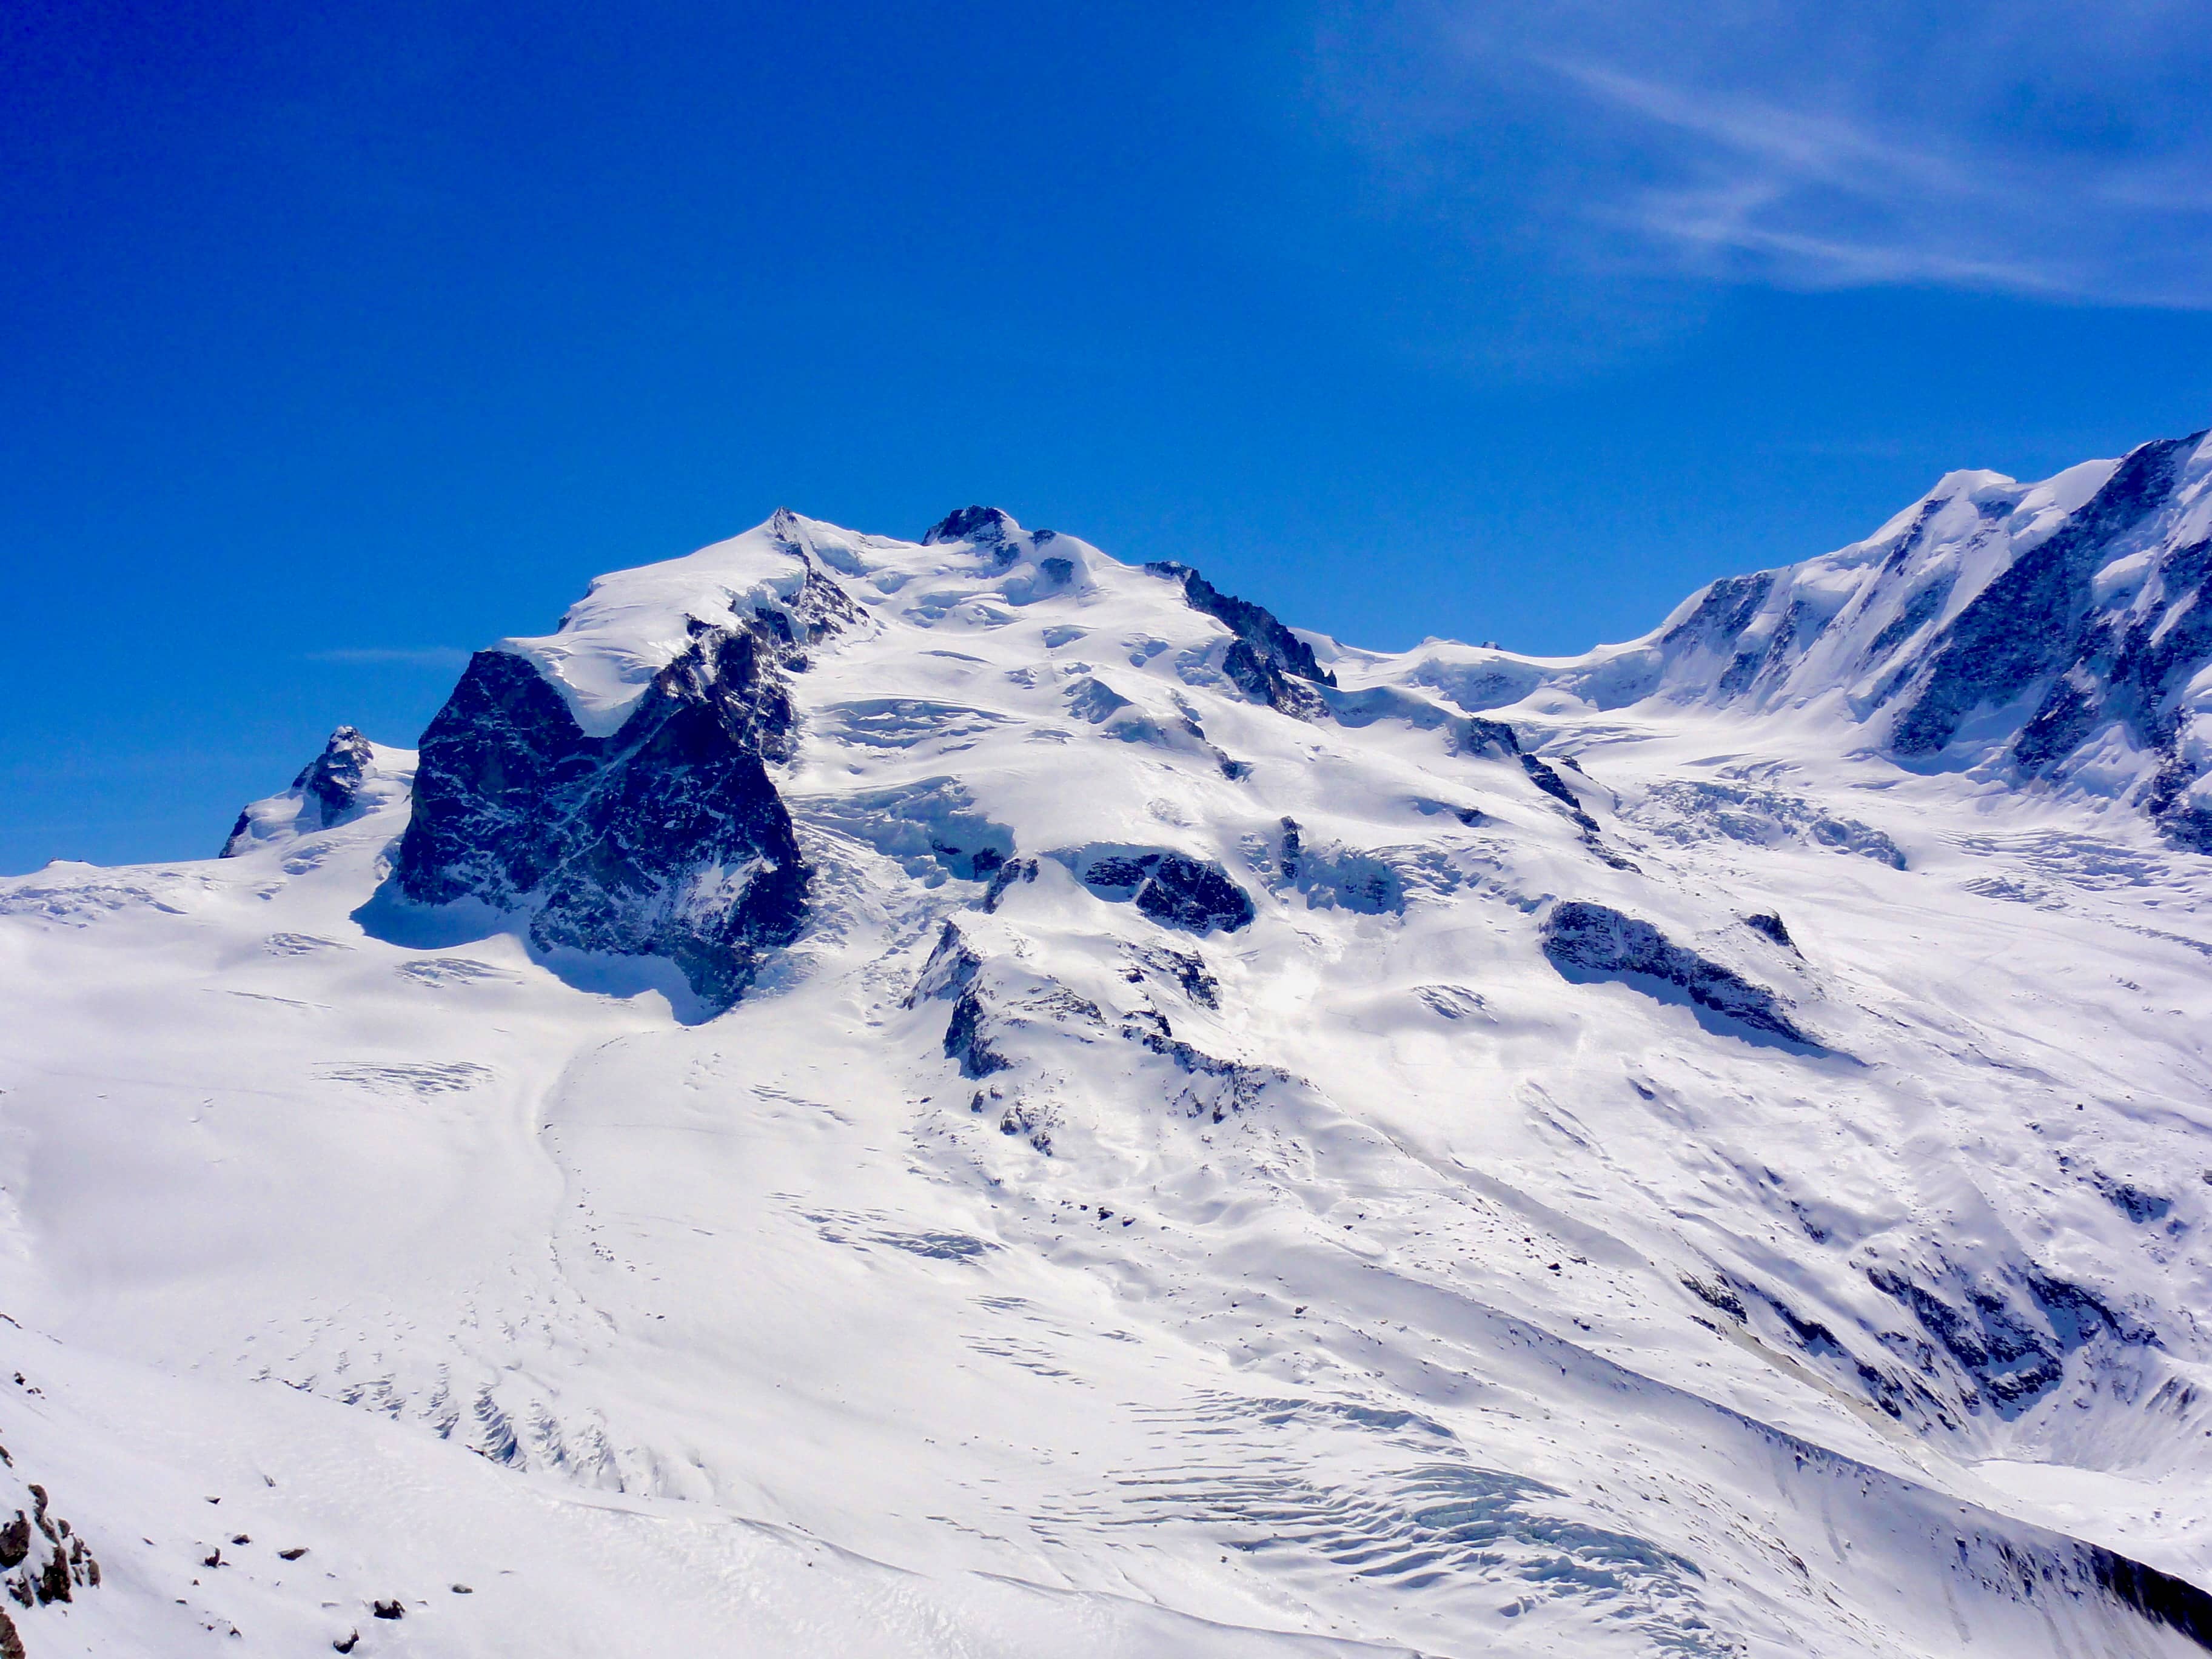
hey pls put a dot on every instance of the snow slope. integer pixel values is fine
(1217, 1146)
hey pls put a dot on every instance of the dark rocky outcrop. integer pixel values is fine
(965, 1040)
(1595, 939)
(952, 970)
(2158, 1596)
(971, 524)
(334, 779)
(666, 838)
(1172, 888)
(1769, 925)
(1267, 662)
(1011, 871)
(1182, 893)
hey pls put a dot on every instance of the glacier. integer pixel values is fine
(963, 1097)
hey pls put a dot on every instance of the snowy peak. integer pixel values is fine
(637, 784)
(351, 779)
(2050, 631)
(631, 624)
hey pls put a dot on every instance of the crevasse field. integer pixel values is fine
(1056, 1115)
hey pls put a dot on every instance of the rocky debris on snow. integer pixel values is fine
(1580, 937)
(2009, 1339)
(1187, 971)
(1219, 1086)
(42, 1558)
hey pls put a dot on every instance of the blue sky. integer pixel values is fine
(337, 340)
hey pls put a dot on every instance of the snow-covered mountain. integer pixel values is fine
(2041, 635)
(962, 1096)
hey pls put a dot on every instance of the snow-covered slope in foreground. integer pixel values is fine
(963, 1097)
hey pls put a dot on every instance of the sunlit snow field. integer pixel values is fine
(1353, 1280)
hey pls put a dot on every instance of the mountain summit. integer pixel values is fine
(968, 1096)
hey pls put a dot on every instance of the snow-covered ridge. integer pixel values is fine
(2048, 631)
(633, 623)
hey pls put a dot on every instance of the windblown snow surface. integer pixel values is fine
(1246, 1147)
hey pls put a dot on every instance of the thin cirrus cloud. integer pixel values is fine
(2054, 150)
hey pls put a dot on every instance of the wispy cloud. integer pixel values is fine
(429, 656)
(2038, 148)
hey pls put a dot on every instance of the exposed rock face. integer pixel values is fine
(334, 779)
(1769, 924)
(1267, 662)
(2034, 624)
(1172, 888)
(668, 838)
(1599, 941)
(967, 524)
(2011, 1341)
